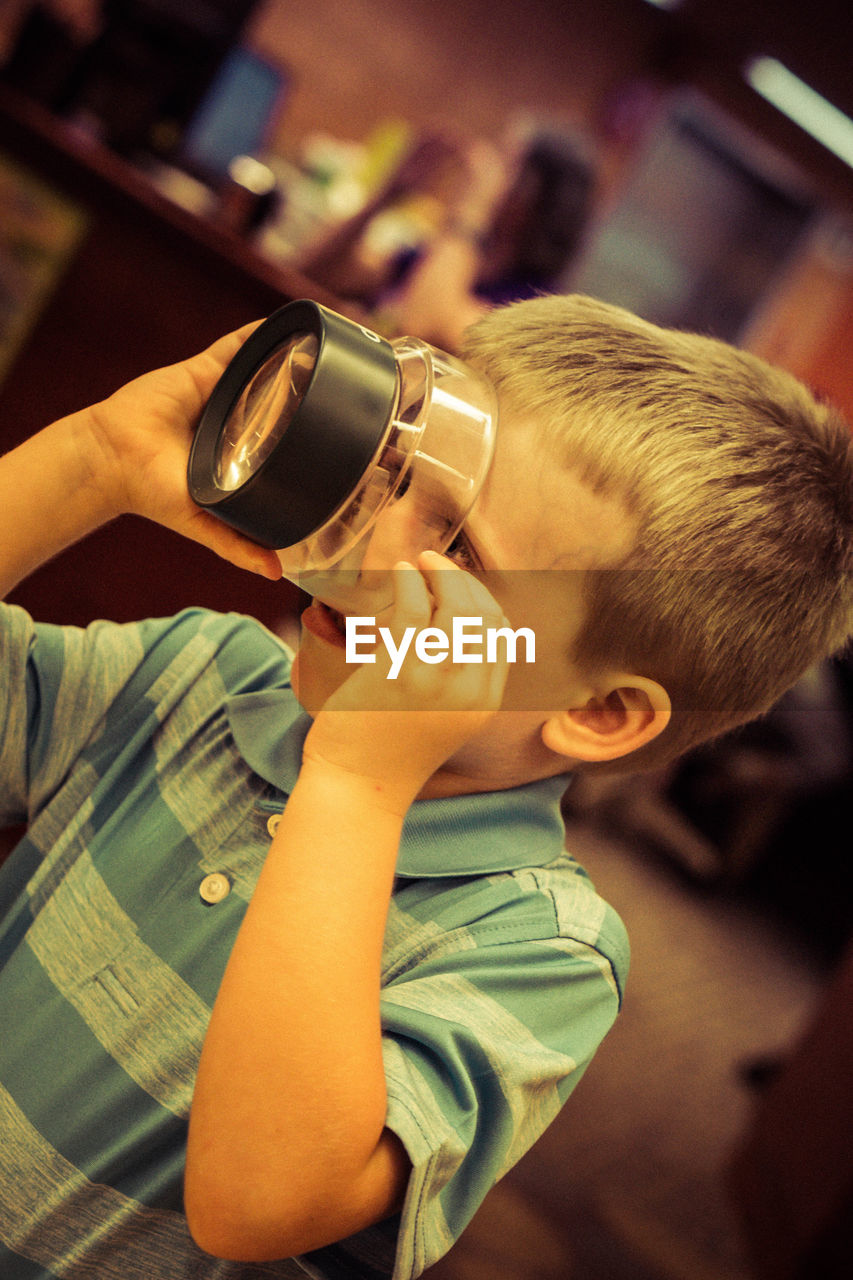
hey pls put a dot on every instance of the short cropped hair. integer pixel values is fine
(740, 482)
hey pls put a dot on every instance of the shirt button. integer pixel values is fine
(272, 823)
(214, 887)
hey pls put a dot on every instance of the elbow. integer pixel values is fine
(214, 1225)
(226, 1223)
(237, 1236)
(244, 1221)
(254, 1209)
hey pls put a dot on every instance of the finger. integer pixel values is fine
(231, 546)
(456, 591)
(206, 367)
(412, 603)
(230, 343)
(460, 594)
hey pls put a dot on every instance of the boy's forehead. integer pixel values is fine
(535, 512)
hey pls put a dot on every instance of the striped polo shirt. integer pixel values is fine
(149, 762)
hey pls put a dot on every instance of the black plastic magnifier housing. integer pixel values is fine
(325, 434)
(325, 442)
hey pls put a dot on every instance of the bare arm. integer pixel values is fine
(300, 1157)
(126, 454)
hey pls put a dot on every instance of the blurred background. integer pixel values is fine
(172, 168)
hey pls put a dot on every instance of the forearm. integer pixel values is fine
(287, 1147)
(51, 495)
(297, 1157)
(127, 453)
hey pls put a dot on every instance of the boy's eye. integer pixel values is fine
(461, 552)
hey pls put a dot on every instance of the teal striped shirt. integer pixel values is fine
(147, 761)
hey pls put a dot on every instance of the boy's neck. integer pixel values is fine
(472, 771)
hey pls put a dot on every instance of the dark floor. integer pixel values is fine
(628, 1183)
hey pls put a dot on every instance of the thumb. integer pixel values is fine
(206, 367)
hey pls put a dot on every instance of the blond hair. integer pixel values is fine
(741, 486)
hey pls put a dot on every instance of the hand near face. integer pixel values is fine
(138, 443)
(395, 733)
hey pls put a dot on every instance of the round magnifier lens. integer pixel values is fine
(264, 411)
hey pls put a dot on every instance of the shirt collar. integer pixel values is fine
(456, 836)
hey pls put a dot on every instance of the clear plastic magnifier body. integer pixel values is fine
(340, 450)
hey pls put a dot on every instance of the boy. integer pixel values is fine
(407, 973)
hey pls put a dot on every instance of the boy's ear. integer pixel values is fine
(628, 712)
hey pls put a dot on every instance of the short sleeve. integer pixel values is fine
(58, 683)
(64, 688)
(16, 635)
(483, 1046)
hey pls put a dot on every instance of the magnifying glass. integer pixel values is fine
(323, 441)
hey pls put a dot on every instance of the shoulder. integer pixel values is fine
(550, 913)
(231, 650)
(161, 636)
(71, 690)
(582, 918)
(498, 990)
(77, 674)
